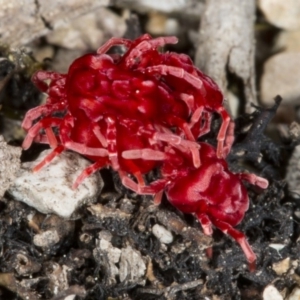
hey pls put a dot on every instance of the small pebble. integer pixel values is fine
(288, 40)
(295, 295)
(46, 239)
(164, 235)
(50, 189)
(283, 14)
(282, 266)
(271, 293)
(281, 77)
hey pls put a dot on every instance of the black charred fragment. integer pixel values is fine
(252, 146)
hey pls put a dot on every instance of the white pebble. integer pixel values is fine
(283, 14)
(50, 189)
(46, 239)
(164, 235)
(281, 77)
(295, 295)
(271, 293)
(282, 266)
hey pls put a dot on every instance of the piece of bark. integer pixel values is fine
(22, 21)
(226, 39)
(9, 165)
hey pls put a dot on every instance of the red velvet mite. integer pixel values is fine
(142, 110)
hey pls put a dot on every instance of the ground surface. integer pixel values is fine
(113, 251)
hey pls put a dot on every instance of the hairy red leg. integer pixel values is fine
(196, 116)
(41, 138)
(199, 115)
(254, 179)
(35, 129)
(114, 42)
(241, 239)
(182, 125)
(177, 72)
(88, 171)
(188, 133)
(174, 140)
(189, 101)
(229, 139)
(146, 45)
(145, 153)
(205, 223)
(157, 198)
(152, 189)
(207, 229)
(51, 137)
(207, 117)
(59, 149)
(222, 135)
(128, 182)
(154, 43)
(99, 135)
(111, 137)
(39, 111)
(181, 144)
(84, 150)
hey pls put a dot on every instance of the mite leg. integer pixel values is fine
(207, 229)
(145, 153)
(255, 180)
(152, 189)
(181, 144)
(36, 128)
(114, 42)
(111, 137)
(178, 72)
(197, 117)
(207, 116)
(241, 239)
(205, 223)
(51, 137)
(148, 44)
(59, 149)
(83, 149)
(99, 135)
(182, 125)
(88, 171)
(175, 141)
(229, 138)
(189, 101)
(39, 111)
(224, 135)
